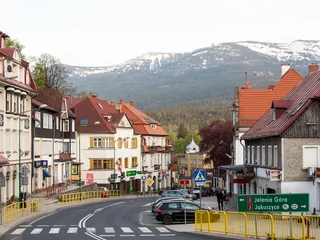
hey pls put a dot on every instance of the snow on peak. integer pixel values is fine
(296, 50)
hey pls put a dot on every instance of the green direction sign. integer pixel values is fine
(139, 172)
(131, 173)
(273, 202)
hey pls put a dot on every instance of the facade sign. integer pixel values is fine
(131, 173)
(89, 178)
(240, 181)
(41, 163)
(248, 173)
(74, 170)
(273, 202)
(274, 175)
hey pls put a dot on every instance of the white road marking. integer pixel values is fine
(42, 226)
(18, 231)
(91, 230)
(162, 229)
(130, 235)
(147, 235)
(146, 205)
(107, 235)
(126, 230)
(167, 235)
(25, 226)
(72, 230)
(109, 229)
(36, 231)
(58, 225)
(145, 230)
(54, 230)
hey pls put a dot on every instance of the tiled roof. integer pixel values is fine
(53, 98)
(253, 103)
(301, 96)
(38, 104)
(96, 110)
(71, 102)
(65, 157)
(8, 52)
(141, 121)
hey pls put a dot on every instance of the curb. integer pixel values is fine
(216, 236)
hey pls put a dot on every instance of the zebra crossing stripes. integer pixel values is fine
(109, 231)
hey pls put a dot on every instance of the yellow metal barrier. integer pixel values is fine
(259, 225)
(17, 210)
(71, 198)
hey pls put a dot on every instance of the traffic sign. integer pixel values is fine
(184, 182)
(273, 202)
(150, 182)
(24, 170)
(199, 176)
(143, 178)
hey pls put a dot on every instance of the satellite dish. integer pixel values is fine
(9, 68)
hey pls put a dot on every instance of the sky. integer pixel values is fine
(107, 32)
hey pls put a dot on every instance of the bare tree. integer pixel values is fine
(49, 72)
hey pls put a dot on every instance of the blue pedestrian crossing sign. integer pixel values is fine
(199, 176)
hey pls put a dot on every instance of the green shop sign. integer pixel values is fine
(273, 202)
(131, 173)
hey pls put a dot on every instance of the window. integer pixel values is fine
(273, 114)
(22, 103)
(263, 155)
(134, 162)
(310, 156)
(258, 155)
(248, 154)
(65, 125)
(73, 126)
(269, 155)
(15, 103)
(188, 206)
(8, 102)
(153, 126)
(102, 164)
(126, 163)
(38, 119)
(45, 120)
(57, 122)
(97, 142)
(119, 142)
(275, 156)
(126, 144)
(134, 142)
(102, 142)
(253, 159)
(83, 121)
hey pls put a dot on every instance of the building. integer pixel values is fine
(54, 140)
(156, 150)
(283, 147)
(248, 107)
(108, 145)
(17, 88)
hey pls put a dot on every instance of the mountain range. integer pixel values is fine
(205, 75)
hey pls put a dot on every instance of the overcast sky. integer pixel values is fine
(105, 32)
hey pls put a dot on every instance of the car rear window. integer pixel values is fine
(173, 205)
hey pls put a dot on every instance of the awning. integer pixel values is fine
(234, 168)
(3, 160)
(65, 157)
(46, 173)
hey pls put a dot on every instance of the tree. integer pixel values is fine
(216, 139)
(84, 94)
(49, 72)
(182, 131)
(180, 146)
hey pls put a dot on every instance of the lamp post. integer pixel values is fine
(79, 168)
(114, 157)
(19, 147)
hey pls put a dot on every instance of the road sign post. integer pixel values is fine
(273, 202)
(199, 176)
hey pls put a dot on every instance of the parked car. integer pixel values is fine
(196, 191)
(174, 211)
(153, 204)
(177, 193)
(104, 192)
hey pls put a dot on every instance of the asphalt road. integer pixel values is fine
(126, 218)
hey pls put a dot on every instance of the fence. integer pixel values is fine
(259, 225)
(71, 198)
(17, 210)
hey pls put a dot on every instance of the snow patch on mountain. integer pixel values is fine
(296, 50)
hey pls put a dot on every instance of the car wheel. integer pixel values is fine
(167, 219)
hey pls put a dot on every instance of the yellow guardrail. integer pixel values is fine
(259, 225)
(17, 210)
(71, 198)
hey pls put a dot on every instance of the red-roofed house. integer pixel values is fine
(156, 149)
(109, 145)
(17, 88)
(249, 105)
(284, 145)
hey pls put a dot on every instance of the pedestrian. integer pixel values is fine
(225, 199)
(220, 200)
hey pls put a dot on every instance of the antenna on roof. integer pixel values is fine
(246, 73)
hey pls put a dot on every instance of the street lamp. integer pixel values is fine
(114, 156)
(19, 147)
(79, 168)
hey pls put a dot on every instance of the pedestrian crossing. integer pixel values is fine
(103, 232)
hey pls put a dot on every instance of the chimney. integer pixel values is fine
(121, 101)
(313, 68)
(132, 103)
(284, 69)
(94, 95)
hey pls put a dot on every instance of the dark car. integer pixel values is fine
(153, 204)
(173, 211)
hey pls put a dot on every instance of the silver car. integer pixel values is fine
(177, 193)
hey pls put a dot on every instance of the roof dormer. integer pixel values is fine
(279, 107)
